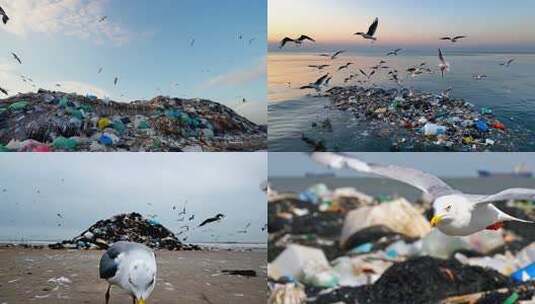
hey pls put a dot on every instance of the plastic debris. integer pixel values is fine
(160, 124)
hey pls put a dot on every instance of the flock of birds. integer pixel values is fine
(363, 75)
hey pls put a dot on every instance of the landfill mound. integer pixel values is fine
(56, 121)
(341, 245)
(422, 121)
(125, 227)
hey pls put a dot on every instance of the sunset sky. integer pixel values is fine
(490, 24)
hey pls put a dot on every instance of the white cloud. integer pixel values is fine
(239, 77)
(77, 18)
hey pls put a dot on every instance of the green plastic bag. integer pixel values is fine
(62, 143)
(19, 105)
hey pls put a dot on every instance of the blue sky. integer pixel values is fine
(490, 24)
(144, 43)
(87, 187)
(440, 164)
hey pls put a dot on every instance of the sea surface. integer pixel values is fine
(385, 187)
(509, 92)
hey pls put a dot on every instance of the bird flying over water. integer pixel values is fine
(16, 57)
(394, 52)
(443, 65)
(371, 31)
(319, 67)
(216, 218)
(131, 266)
(366, 74)
(479, 76)
(3, 91)
(507, 63)
(5, 17)
(115, 81)
(455, 213)
(345, 66)
(297, 41)
(103, 18)
(333, 56)
(453, 39)
(99, 71)
(316, 85)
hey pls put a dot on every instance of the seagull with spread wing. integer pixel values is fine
(333, 56)
(5, 17)
(371, 31)
(297, 41)
(507, 63)
(455, 213)
(16, 57)
(394, 52)
(443, 65)
(316, 85)
(453, 39)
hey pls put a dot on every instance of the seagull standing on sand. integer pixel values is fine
(16, 58)
(443, 65)
(131, 266)
(371, 31)
(316, 85)
(453, 39)
(455, 213)
(5, 17)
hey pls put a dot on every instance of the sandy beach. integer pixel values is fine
(26, 276)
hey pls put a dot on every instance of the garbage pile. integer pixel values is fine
(420, 120)
(343, 246)
(125, 227)
(55, 121)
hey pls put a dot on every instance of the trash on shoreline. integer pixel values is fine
(325, 253)
(69, 122)
(125, 227)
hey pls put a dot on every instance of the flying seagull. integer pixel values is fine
(365, 74)
(454, 39)
(394, 52)
(319, 67)
(99, 70)
(316, 85)
(443, 65)
(455, 213)
(479, 76)
(216, 218)
(345, 66)
(131, 266)
(297, 41)
(333, 56)
(5, 17)
(3, 91)
(115, 81)
(16, 58)
(103, 18)
(507, 63)
(371, 31)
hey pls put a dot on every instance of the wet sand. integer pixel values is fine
(183, 277)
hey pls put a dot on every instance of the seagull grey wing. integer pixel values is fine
(441, 57)
(321, 79)
(108, 266)
(373, 27)
(458, 37)
(427, 183)
(284, 41)
(509, 194)
(445, 38)
(305, 37)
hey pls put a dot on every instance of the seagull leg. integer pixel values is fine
(107, 296)
(133, 300)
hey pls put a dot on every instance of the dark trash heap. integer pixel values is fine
(131, 227)
(56, 121)
(417, 120)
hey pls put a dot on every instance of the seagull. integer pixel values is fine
(367, 75)
(507, 63)
(345, 66)
(394, 52)
(297, 41)
(371, 31)
(192, 42)
(455, 213)
(444, 66)
(319, 67)
(131, 266)
(103, 18)
(115, 81)
(326, 82)
(16, 58)
(216, 218)
(3, 91)
(316, 85)
(333, 56)
(5, 17)
(99, 71)
(454, 39)
(479, 76)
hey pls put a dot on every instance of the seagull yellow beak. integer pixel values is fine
(140, 301)
(436, 220)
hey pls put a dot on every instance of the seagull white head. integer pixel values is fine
(451, 211)
(141, 280)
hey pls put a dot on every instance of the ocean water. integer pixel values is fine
(381, 187)
(509, 92)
